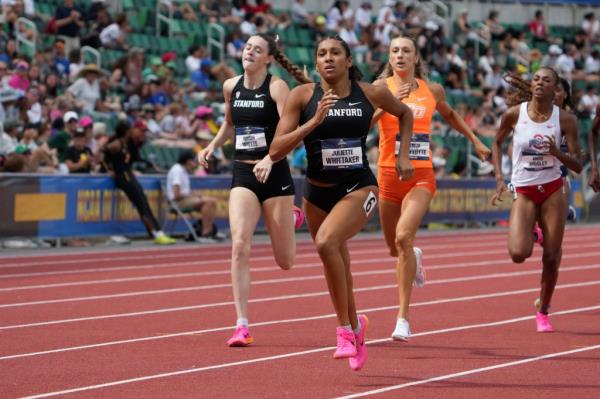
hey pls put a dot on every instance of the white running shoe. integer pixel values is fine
(402, 330)
(419, 281)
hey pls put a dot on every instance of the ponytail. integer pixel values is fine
(520, 88)
(288, 65)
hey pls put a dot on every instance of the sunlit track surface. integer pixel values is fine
(153, 323)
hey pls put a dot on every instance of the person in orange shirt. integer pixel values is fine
(403, 204)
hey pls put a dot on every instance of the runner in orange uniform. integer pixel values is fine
(403, 204)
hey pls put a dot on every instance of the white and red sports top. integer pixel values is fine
(532, 164)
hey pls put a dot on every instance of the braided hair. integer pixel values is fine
(353, 73)
(520, 88)
(288, 65)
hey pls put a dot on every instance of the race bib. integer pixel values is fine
(536, 161)
(342, 154)
(249, 138)
(419, 147)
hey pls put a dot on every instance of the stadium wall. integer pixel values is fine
(44, 206)
(557, 12)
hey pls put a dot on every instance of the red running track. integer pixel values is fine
(153, 324)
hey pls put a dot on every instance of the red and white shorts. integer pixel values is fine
(540, 192)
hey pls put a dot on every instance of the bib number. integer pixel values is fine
(534, 162)
(250, 139)
(342, 154)
(419, 147)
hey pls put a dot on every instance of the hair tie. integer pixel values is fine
(276, 38)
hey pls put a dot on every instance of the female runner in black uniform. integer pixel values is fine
(254, 102)
(333, 119)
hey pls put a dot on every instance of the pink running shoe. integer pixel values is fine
(298, 217)
(543, 323)
(538, 235)
(346, 343)
(357, 362)
(241, 337)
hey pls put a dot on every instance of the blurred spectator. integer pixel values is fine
(60, 62)
(339, 11)
(8, 138)
(179, 190)
(61, 140)
(86, 89)
(248, 26)
(565, 63)
(591, 26)
(538, 28)
(114, 35)
(300, 15)
(550, 59)
(68, 21)
(589, 101)
(75, 64)
(363, 17)
(235, 45)
(19, 80)
(79, 158)
(492, 29)
(34, 108)
(592, 64)
(463, 29)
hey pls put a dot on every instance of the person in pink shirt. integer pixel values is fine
(19, 79)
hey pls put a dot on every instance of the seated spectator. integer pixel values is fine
(591, 26)
(300, 15)
(153, 69)
(86, 89)
(34, 108)
(592, 64)
(339, 11)
(61, 140)
(363, 17)
(60, 62)
(235, 45)
(8, 138)
(492, 29)
(565, 63)
(589, 101)
(20, 80)
(79, 158)
(179, 190)
(114, 35)
(549, 60)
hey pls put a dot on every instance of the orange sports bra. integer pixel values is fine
(423, 104)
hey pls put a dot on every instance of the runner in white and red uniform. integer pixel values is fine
(538, 127)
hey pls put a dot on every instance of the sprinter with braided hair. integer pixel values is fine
(253, 104)
(538, 126)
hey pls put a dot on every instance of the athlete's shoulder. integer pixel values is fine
(372, 89)
(566, 117)
(436, 89)
(230, 83)
(512, 113)
(380, 82)
(276, 81)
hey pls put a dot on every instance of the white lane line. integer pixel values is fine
(226, 260)
(452, 240)
(287, 297)
(295, 320)
(304, 266)
(300, 266)
(470, 372)
(153, 252)
(301, 353)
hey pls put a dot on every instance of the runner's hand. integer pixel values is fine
(403, 91)
(482, 150)
(404, 168)
(262, 169)
(500, 189)
(594, 180)
(204, 155)
(327, 101)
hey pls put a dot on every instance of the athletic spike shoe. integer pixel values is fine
(298, 217)
(538, 235)
(357, 362)
(402, 330)
(241, 337)
(543, 323)
(419, 281)
(346, 343)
